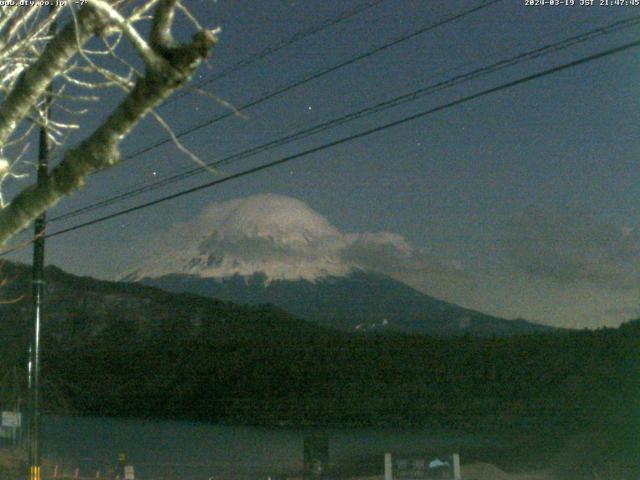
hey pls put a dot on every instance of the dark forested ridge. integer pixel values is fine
(360, 301)
(134, 350)
(125, 349)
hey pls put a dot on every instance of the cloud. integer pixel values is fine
(575, 248)
(391, 254)
(279, 236)
(285, 239)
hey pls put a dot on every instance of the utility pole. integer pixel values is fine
(37, 288)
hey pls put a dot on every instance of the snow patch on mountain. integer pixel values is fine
(284, 239)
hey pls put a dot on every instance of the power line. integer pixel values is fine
(399, 100)
(313, 76)
(308, 78)
(356, 136)
(296, 37)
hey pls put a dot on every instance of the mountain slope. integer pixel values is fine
(79, 309)
(131, 350)
(275, 249)
(360, 301)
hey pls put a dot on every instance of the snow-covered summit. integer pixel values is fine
(272, 234)
(282, 238)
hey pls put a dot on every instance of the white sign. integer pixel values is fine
(11, 419)
(129, 473)
(420, 468)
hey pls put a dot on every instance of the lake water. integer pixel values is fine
(185, 450)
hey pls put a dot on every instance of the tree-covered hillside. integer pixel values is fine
(129, 350)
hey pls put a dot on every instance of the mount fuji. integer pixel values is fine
(275, 249)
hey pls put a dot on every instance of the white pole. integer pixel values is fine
(388, 467)
(456, 467)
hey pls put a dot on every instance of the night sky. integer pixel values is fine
(530, 194)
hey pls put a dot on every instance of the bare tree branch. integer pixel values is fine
(100, 150)
(33, 82)
(150, 57)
